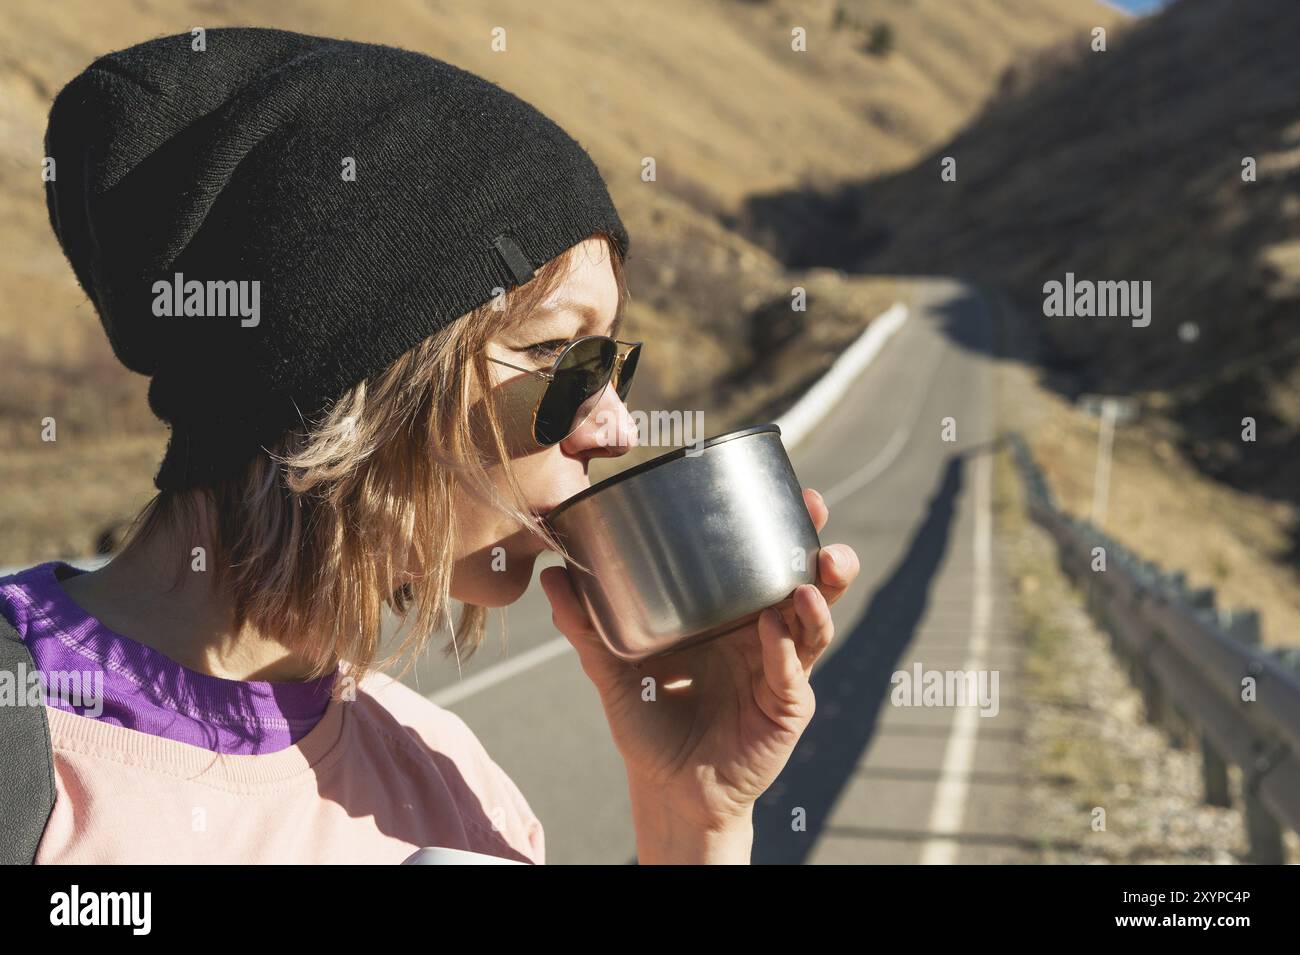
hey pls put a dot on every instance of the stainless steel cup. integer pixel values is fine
(690, 545)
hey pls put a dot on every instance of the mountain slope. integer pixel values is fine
(1127, 165)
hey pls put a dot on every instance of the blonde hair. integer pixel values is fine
(308, 540)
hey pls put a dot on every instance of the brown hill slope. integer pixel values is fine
(1126, 166)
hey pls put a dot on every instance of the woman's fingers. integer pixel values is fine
(783, 691)
(837, 564)
(817, 508)
(789, 652)
(567, 611)
(837, 567)
(571, 619)
(816, 628)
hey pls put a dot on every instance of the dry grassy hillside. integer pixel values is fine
(711, 90)
(1126, 165)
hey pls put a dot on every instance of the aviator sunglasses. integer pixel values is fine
(567, 392)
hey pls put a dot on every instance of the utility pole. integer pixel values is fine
(1101, 477)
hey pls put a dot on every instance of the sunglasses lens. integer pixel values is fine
(576, 389)
(625, 373)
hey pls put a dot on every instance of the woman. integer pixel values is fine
(342, 267)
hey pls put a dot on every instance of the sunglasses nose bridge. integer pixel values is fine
(594, 397)
(599, 397)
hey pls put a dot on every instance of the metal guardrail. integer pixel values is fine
(1201, 672)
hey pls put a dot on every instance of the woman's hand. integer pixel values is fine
(699, 753)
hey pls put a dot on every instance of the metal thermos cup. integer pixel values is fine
(690, 545)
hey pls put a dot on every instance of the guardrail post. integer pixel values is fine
(1176, 727)
(1241, 624)
(1152, 705)
(1263, 833)
(1214, 773)
(1202, 598)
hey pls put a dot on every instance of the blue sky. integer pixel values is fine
(1138, 6)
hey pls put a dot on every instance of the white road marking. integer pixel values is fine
(950, 796)
(871, 470)
(499, 673)
(886, 456)
(810, 410)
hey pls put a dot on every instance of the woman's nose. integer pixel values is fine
(609, 431)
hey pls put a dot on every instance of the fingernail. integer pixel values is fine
(836, 561)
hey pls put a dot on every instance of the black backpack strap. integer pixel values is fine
(26, 759)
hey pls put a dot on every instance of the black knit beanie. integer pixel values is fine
(372, 194)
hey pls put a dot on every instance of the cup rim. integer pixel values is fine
(644, 466)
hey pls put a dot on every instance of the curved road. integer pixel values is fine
(870, 781)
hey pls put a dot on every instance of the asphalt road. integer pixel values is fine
(870, 781)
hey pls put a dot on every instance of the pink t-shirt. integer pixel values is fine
(376, 778)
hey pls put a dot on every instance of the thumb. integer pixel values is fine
(567, 612)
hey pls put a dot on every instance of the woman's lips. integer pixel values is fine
(545, 509)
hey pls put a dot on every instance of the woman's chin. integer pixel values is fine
(495, 588)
